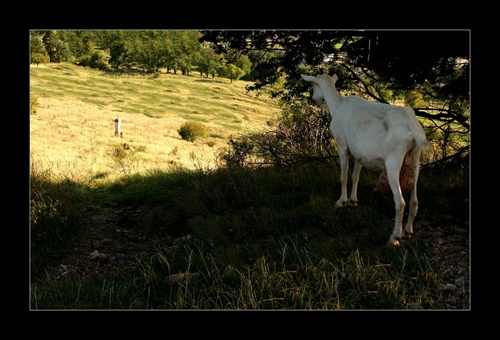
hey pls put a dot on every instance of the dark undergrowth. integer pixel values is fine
(238, 238)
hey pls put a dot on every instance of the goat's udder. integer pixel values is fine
(406, 180)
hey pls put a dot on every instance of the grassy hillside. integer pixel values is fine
(164, 237)
(72, 131)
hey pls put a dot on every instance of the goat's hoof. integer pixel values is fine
(394, 242)
(407, 235)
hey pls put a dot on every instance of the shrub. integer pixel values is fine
(124, 157)
(190, 131)
(39, 58)
(98, 60)
(301, 136)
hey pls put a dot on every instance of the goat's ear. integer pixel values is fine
(308, 78)
(334, 78)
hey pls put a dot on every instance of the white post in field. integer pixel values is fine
(117, 127)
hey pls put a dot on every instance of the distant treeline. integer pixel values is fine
(149, 51)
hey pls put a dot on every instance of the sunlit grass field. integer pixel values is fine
(73, 129)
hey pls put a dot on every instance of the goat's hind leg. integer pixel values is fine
(413, 208)
(399, 203)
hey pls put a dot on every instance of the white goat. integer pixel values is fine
(378, 136)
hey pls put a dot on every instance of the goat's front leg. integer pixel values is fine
(353, 200)
(344, 168)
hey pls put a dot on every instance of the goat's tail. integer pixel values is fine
(420, 144)
(417, 131)
(423, 144)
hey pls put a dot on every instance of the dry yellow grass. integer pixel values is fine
(72, 136)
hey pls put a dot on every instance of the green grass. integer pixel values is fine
(166, 95)
(257, 239)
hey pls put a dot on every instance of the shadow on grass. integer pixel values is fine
(268, 227)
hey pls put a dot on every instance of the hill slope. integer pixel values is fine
(72, 131)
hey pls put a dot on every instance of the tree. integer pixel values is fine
(120, 55)
(184, 48)
(99, 60)
(37, 50)
(61, 46)
(380, 65)
(232, 72)
(39, 58)
(57, 49)
(149, 50)
(207, 60)
(244, 64)
(36, 44)
(80, 43)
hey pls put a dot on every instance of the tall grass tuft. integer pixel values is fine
(188, 276)
(57, 217)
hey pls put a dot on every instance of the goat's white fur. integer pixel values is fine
(377, 136)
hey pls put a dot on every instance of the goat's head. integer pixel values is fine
(319, 82)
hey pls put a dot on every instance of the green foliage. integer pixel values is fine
(81, 43)
(207, 61)
(99, 60)
(191, 131)
(244, 63)
(39, 58)
(379, 66)
(36, 44)
(146, 50)
(302, 136)
(232, 72)
(57, 48)
(38, 53)
(414, 99)
(120, 55)
(238, 152)
(259, 60)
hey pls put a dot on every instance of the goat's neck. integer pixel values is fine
(332, 99)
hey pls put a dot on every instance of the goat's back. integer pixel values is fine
(373, 131)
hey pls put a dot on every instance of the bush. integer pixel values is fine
(301, 136)
(125, 157)
(190, 131)
(39, 58)
(98, 60)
